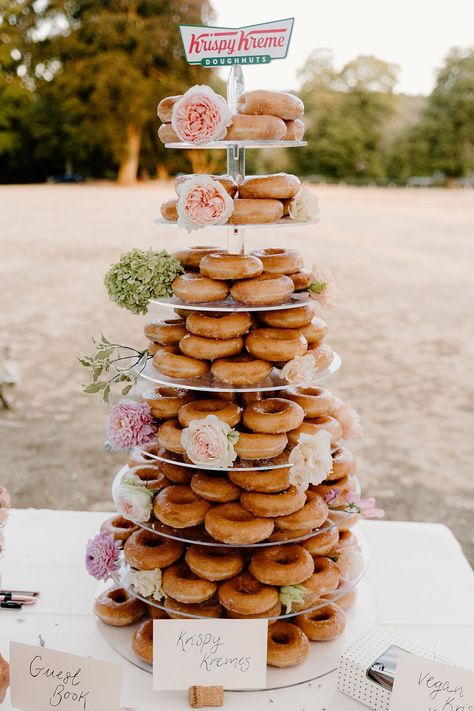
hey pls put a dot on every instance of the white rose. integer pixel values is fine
(210, 442)
(300, 371)
(304, 207)
(147, 583)
(133, 502)
(311, 459)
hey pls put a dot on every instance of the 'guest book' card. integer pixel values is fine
(425, 685)
(42, 679)
(228, 653)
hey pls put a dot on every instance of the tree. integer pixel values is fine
(98, 68)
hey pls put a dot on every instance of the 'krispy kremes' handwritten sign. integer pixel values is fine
(220, 46)
(43, 679)
(230, 653)
(425, 685)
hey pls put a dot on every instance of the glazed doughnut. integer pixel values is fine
(176, 365)
(276, 344)
(144, 454)
(230, 266)
(168, 332)
(219, 325)
(264, 290)
(273, 505)
(260, 446)
(208, 608)
(288, 318)
(119, 527)
(343, 520)
(231, 523)
(167, 134)
(316, 402)
(241, 370)
(316, 331)
(164, 109)
(324, 579)
(323, 542)
(142, 641)
(279, 261)
(287, 645)
(323, 624)
(312, 515)
(255, 212)
(151, 477)
(343, 464)
(156, 613)
(146, 551)
(179, 507)
(180, 583)
(277, 103)
(313, 425)
(165, 401)
(153, 347)
(271, 615)
(210, 348)
(294, 130)
(246, 595)
(169, 210)
(215, 488)
(346, 485)
(301, 280)
(227, 182)
(277, 186)
(323, 355)
(197, 289)
(254, 128)
(273, 415)
(212, 563)
(191, 257)
(198, 409)
(282, 565)
(169, 436)
(271, 481)
(344, 600)
(117, 607)
(283, 536)
(347, 539)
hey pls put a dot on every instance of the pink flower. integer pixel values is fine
(366, 507)
(203, 201)
(102, 554)
(201, 116)
(348, 418)
(331, 495)
(130, 424)
(209, 442)
(323, 286)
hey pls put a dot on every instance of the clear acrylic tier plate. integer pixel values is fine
(213, 145)
(229, 304)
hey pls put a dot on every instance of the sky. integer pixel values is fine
(415, 34)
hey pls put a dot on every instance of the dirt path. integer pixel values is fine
(403, 260)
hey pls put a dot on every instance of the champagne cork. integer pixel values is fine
(199, 696)
(5, 677)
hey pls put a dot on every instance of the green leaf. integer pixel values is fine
(93, 388)
(106, 394)
(127, 389)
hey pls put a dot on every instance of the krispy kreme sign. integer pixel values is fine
(220, 46)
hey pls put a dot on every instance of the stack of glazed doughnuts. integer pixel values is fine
(258, 199)
(261, 116)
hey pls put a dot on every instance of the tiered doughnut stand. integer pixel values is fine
(323, 656)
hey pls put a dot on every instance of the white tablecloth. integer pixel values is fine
(423, 587)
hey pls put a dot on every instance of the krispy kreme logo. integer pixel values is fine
(254, 44)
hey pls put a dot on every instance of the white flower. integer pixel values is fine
(304, 207)
(210, 442)
(351, 563)
(311, 459)
(132, 501)
(147, 583)
(323, 286)
(203, 201)
(300, 371)
(348, 418)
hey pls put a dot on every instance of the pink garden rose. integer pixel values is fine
(348, 418)
(323, 286)
(201, 116)
(209, 442)
(130, 424)
(203, 201)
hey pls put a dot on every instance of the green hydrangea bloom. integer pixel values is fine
(141, 275)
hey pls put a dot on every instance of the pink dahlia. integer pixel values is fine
(102, 554)
(130, 424)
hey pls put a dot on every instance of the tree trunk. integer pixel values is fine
(128, 170)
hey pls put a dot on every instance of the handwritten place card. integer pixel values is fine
(229, 653)
(43, 679)
(425, 685)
